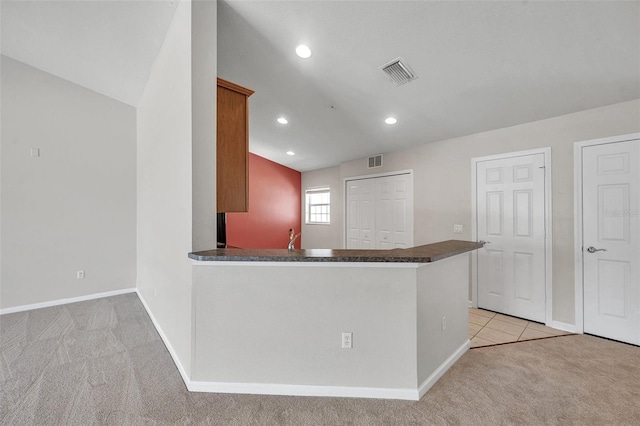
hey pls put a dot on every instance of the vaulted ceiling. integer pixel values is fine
(481, 65)
(106, 46)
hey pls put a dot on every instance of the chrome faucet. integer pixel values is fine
(292, 238)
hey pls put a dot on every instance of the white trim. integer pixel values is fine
(172, 352)
(65, 301)
(439, 372)
(377, 175)
(317, 188)
(266, 388)
(473, 303)
(332, 391)
(577, 236)
(577, 218)
(559, 325)
(548, 234)
(548, 217)
(305, 390)
(374, 176)
(307, 193)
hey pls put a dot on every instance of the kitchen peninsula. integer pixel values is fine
(359, 323)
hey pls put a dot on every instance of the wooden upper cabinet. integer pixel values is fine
(232, 153)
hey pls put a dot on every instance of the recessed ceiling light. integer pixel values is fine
(390, 120)
(282, 120)
(303, 51)
(291, 153)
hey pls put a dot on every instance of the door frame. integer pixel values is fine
(373, 176)
(548, 219)
(577, 218)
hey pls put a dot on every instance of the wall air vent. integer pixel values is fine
(374, 161)
(399, 72)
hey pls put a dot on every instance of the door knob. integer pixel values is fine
(484, 242)
(592, 249)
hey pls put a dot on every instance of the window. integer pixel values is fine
(318, 206)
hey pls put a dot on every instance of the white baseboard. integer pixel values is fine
(278, 389)
(332, 391)
(305, 390)
(439, 372)
(167, 344)
(65, 301)
(268, 388)
(558, 325)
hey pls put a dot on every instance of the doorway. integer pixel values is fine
(379, 211)
(607, 182)
(511, 197)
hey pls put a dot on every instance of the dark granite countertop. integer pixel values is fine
(420, 254)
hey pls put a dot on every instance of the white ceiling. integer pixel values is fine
(106, 46)
(481, 66)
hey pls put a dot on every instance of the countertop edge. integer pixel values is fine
(410, 255)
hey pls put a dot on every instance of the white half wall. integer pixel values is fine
(73, 207)
(283, 324)
(164, 188)
(442, 182)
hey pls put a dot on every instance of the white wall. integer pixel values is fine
(165, 187)
(74, 207)
(176, 171)
(204, 59)
(442, 182)
(324, 236)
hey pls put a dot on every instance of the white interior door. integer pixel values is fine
(361, 214)
(510, 215)
(611, 240)
(380, 212)
(393, 212)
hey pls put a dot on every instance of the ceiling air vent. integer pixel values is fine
(374, 161)
(399, 71)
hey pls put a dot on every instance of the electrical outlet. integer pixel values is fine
(35, 152)
(80, 275)
(347, 340)
(444, 322)
(457, 229)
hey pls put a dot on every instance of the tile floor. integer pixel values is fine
(487, 328)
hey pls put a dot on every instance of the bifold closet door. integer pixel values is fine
(380, 212)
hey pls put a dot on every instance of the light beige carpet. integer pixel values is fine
(102, 362)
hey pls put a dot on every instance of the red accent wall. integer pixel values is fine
(274, 207)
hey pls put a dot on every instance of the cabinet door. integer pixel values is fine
(232, 148)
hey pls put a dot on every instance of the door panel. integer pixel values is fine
(610, 216)
(493, 272)
(523, 212)
(495, 213)
(384, 213)
(510, 197)
(403, 212)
